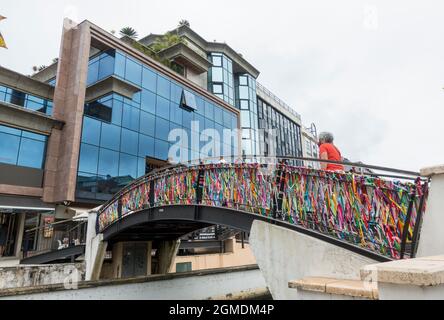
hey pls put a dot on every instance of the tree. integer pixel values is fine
(167, 40)
(128, 31)
(184, 22)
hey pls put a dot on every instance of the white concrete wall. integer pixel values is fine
(173, 288)
(431, 240)
(284, 255)
(37, 275)
(391, 291)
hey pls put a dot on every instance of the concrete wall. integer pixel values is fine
(390, 291)
(284, 255)
(37, 275)
(431, 240)
(239, 257)
(192, 285)
(199, 79)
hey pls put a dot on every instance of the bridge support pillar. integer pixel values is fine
(431, 235)
(167, 253)
(95, 250)
(284, 255)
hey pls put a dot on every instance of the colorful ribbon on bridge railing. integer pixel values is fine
(136, 198)
(247, 187)
(364, 210)
(177, 188)
(109, 215)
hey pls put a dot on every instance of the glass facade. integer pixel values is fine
(120, 134)
(25, 100)
(22, 148)
(220, 77)
(288, 133)
(246, 101)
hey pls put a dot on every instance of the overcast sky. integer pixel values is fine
(371, 72)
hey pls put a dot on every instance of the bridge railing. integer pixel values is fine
(382, 215)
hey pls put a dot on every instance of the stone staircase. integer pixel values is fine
(419, 278)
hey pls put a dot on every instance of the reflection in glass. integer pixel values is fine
(88, 158)
(108, 163)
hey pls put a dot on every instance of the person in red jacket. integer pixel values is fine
(328, 151)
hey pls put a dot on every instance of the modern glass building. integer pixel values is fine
(220, 77)
(79, 130)
(120, 134)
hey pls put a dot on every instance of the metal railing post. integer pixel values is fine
(408, 217)
(151, 195)
(419, 220)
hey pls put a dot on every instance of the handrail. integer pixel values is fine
(280, 193)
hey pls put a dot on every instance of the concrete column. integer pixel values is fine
(19, 237)
(149, 258)
(95, 250)
(69, 99)
(167, 253)
(431, 237)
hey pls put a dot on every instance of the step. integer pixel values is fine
(334, 286)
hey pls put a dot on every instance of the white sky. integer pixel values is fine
(371, 72)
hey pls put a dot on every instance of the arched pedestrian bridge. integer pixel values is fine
(375, 216)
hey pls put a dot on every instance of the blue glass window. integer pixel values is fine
(130, 117)
(162, 128)
(120, 65)
(201, 120)
(93, 72)
(149, 79)
(200, 106)
(36, 104)
(176, 93)
(233, 122)
(218, 115)
(10, 130)
(23, 148)
(148, 101)
(9, 147)
(163, 87)
(31, 153)
(175, 113)
(216, 74)
(217, 61)
(147, 123)
(34, 136)
(187, 117)
(141, 166)
(88, 158)
(106, 66)
(108, 163)
(161, 149)
(128, 166)
(91, 131)
(129, 142)
(116, 116)
(209, 124)
(146, 146)
(133, 71)
(163, 108)
(110, 136)
(26, 100)
(209, 110)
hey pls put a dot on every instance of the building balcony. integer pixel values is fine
(184, 55)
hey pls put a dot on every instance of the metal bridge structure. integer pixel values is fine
(376, 212)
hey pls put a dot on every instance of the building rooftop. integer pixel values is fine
(239, 63)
